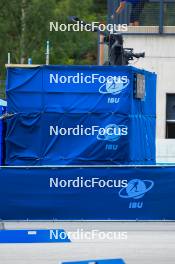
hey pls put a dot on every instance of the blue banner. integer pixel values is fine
(34, 236)
(87, 193)
(57, 139)
(78, 89)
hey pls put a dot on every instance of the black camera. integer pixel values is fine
(118, 55)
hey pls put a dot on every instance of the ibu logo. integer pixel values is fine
(112, 132)
(136, 190)
(114, 85)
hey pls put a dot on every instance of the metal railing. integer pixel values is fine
(157, 17)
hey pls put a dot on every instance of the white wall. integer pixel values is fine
(160, 58)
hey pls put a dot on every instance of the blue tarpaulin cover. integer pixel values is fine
(62, 115)
(95, 193)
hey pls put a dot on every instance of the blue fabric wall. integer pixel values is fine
(67, 97)
(30, 139)
(120, 193)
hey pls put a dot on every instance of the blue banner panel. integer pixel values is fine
(78, 89)
(104, 261)
(69, 89)
(87, 89)
(34, 236)
(24, 89)
(87, 193)
(67, 139)
(58, 139)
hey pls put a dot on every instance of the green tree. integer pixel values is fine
(24, 27)
(24, 30)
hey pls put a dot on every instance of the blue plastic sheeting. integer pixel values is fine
(104, 261)
(78, 89)
(57, 98)
(46, 139)
(34, 236)
(96, 193)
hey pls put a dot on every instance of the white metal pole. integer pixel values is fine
(47, 53)
(9, 58)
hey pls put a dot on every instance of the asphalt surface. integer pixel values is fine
(134, 242)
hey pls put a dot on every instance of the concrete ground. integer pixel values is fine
(135, 242)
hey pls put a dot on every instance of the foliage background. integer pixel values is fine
(26, 36)
(24, 30)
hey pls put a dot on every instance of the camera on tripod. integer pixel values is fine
(118, 55)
